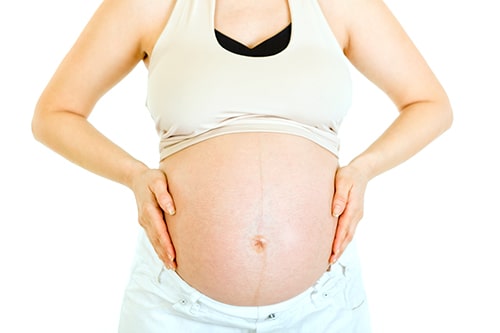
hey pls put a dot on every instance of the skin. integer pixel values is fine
(245, 223)
(122, 33)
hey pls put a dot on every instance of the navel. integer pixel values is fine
(259, 243)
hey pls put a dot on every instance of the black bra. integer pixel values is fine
(269, 47)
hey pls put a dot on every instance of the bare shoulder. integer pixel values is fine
(335, 14)
(139, 20)
(378, 46)
(119, 35)
(365, 19)
(347, 17)
(154, 16)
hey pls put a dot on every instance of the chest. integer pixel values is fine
(251, 22)
(194, 81)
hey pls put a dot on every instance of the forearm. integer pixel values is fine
(415, 127)
(73, 137)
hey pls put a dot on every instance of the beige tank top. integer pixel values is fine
(198, 90)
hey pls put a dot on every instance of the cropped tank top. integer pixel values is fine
(198, 90)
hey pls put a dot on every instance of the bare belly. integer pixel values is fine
(253, 223)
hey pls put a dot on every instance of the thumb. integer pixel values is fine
(163, 197)
(340, 197)
(338, 206)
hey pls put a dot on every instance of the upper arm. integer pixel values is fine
(381, 50)
(108, 48)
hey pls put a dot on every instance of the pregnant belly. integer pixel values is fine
(253, 223)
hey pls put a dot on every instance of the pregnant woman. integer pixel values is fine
(248, 218)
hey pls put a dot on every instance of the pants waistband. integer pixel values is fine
(193, 303)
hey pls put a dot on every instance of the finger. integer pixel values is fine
(338, 206)
(160, 189)
(341, 196)
(346, 228)
(157, 231)
(165, 247)
(338, 242)
(342, 239)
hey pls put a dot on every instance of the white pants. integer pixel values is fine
(158, 300)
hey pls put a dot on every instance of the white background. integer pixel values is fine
(429, 241)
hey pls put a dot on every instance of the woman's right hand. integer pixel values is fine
(154, 203)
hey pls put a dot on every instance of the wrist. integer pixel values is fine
(366, 165)
(133, 170)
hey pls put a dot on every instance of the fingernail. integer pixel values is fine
(337, 210)
(170, 264)
(170, 210)
(170, 257)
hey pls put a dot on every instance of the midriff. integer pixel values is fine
(253, 224)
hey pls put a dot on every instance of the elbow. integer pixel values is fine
(35, 130)
(441, 115)
(438, 109)
(42, 123)
(38, 125)
(446, 114)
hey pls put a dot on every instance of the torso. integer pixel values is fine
(253, 223)
(236, 20)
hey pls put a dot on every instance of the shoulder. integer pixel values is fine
(154, 16)
(338, 13)
(347, 17)
(137, 9)
(142, 20)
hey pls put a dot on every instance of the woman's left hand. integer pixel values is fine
(347, 206)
